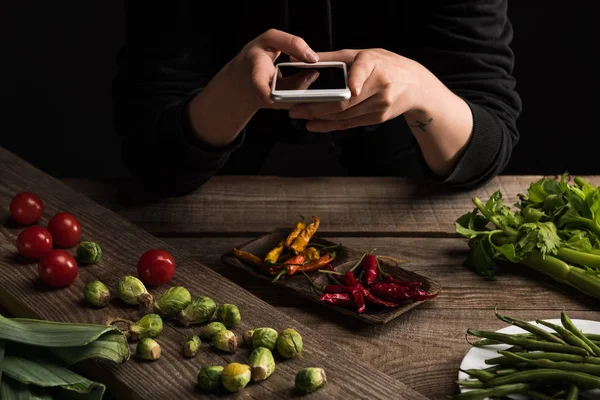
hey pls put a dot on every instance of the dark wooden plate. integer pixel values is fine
(345, 259)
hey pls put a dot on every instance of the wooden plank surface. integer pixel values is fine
(259, 204)
(171, 376)
(437, 327)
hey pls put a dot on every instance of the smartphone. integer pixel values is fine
(300, 82)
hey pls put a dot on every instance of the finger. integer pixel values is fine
(288, 44)
(330, 126)
(262, 76)
(318, 110)
(369, 106)
(345, 55)
(299, 81)
(361, 70)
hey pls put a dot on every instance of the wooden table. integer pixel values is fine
(422, 348)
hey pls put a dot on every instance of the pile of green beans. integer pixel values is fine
(540, 365)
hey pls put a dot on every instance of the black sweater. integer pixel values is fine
(173, 49)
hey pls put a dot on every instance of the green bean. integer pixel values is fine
(593, 336)
(507, 371)
(530, 344)
(573, 393)
(533, 395)
(536, 330)
(567, 335)
(502, 390)
(560, 393)
(480, 374)
(569, 325)
(503, 360)
(578, 378)
(592, 369)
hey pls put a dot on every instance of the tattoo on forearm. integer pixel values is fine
(421, 125)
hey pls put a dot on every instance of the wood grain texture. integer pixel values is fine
(259, 204)
(22, 294)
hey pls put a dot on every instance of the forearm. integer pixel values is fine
(222, 109)
(442, 126)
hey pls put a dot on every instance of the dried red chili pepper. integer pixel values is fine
(355, 291)
(371, 298)
(369, 266)
(402, 282)
(339, 299)
(394, 292)
(334, 275)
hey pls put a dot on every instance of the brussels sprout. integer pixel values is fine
(132, 291)
(235, 377)
(209, 330)
(150, 325)
(89, 253)
(289, 343)
(148, 349)
(191, 346)
(209, 378)
(262, 364)
(310, 379)
(229, 315)
(198, 311)
(172, 301)
(225, 340)
(96, 293)
(264, 337)
(247, 337)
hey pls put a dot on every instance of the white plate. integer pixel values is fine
(475, 358)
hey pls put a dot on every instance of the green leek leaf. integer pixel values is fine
(49, 333)
(47, 374)
(15, 390)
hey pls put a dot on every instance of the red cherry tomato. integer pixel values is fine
(34, 242)
(156, 267)
(57, 268)
(26, 208)
(65, 229)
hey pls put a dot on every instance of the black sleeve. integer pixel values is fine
(163, 64)
(466, 44)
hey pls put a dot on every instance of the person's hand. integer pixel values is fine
(383, 84)
(254, 66)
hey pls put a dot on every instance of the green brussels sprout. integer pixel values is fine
(172, 301)
(235, 376)
(198, 311)
(150, 325)
(229, 315)
(264, 337)
(225, 340)
(148, 349)
(209, 330)
(247, 337)
(209, 378)
(262, 364)
(132, 291)
(96, 293)
(89, 253)
(310, 379)
(191, 346)
(289, 343)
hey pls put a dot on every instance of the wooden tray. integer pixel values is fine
(345, 259)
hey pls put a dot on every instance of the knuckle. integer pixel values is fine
(386, 99)
(297, 42)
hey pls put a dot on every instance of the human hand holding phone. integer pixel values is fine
(254, 66)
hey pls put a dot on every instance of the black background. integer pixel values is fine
(58, 58)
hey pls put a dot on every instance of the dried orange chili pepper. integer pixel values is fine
(305, 235)
(249, 257)
(316, 264)
(299, 227)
